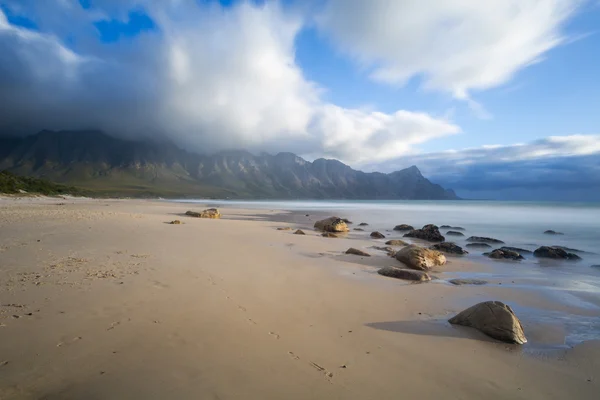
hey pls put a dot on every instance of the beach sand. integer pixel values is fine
(103, 299)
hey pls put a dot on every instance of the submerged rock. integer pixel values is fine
(551, 232)
(430, 232)
(483, 239)
(493, 318)
(404, 227)
(347, 221)
(499, 254)
(332, 224)
(449, 248)
(363, 224)
(459, 281)
(517, 249)
(329, 235)
(357, 252)
(396, 242)
(454, 233)
(595, 266)
(208, 213)
(479, 245)
(415, 257)
(299, 232)
(456, 228)
(556, 253)
(377, 235)
(406, 274)
(358, 229)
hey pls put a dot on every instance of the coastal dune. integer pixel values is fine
(104, 299)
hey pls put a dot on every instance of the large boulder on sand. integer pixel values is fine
(357, 252)
(406, 274)
(449, 248)
(377, 235)
(556, 253)
(493, 318)
(332, 224)
(430, 232)
(208, 213)
(419, 258)
(299, 232)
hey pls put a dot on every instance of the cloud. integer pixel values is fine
(207, 77)
(456, 46)
(558, 167)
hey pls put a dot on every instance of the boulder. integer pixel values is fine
(419, 258)
(449, 248)
(493, 318)
(454, 233)
(363, 224)
(358, 229)
(482, 239)
(406, 274)
(208, 213)
(430, 232)
(357, 252)
(404, 227)
(396, 242)
(499, 254)
(332, 224)
(479, 245)
(551, 232)
(347, 221)
(287, 228)
(569, 249)
(329, 235)
(556, 253)
(299, 232)
(390, 251)
(456, 228)
(377, 235)
(460, 282)
(175, 222)
(595, 266)
(517, 249)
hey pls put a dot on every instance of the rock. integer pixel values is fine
(175, 222)
(479, 245)
(357, 252)
(481, 239)
(430, 232)
(551, 232)
(456, 228)
(377, 235)
(390, 252)
(396, 242)
(358, 229)
(406, 274)
(415, 257)
(363, 224)
(459, 282)
(568, 249)
(449, 248)
(208, 213)
(454, 233)
(556, 253)
(595, 266)
(287, 228)
(347, 221)
(299, 232)
(329, 235)
(493, 318)
(404, 227)
(517, 249)
(332, 224)
(499, 254)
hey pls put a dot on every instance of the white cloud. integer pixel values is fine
(207, 77)
(453, 45)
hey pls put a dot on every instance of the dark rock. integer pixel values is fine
(299, 232)
(429, 232)
(504, 255)
(456, 228)
(208, 213)
(377, 235)
(396, 242)
(481, 239)
(454, 233)
(570, 249)
(332, 224)
(347, 221)
(479, 245)
(459, 282)
(551, 232)
(363, 224)
(555, 253)
(175, 222)
(493, 318)
(449, 248)
(415, 257)
(406, 274)
(358, 229)
(404, 227)
(517, 249)
(357, 252)
(595, 266)
(329, 235)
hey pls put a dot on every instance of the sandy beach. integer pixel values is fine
(103, 299)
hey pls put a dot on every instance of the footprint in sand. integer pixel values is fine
(112, 326)
(295, 357)
(274, 334)
(69, 342)
(328, 375)
(242, 308)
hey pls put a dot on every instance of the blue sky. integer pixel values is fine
(377, 84)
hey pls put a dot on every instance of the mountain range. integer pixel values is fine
(97, 161)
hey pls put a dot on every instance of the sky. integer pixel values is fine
(496, 99)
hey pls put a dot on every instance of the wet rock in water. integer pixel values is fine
(551, 232)
(347, 221)
(299, 232)
(568, 249)
(595, 266)
(377, 235)
(555, 253)
(363, 224)
(357, 252)
(449, 248)
(208, 213)
(483, 239)
(454, 233)
(329, 235)
(175, 222)
(430, 232)
(332, 224)
(456, 228)
(396, 242)
(405, 274)
(404, 227)
(504, 255)
(493, 318)
(479, 246)
(415, 257)
(390, 251)
(287, 228)
(517, 249)
(358, 229)
(459, 281)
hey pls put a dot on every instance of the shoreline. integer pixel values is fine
(125, 305)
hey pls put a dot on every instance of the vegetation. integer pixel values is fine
(14, 184)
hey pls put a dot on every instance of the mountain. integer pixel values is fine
(96, 161)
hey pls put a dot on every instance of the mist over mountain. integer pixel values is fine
(95, 160)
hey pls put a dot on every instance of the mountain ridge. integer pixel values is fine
(95, 160)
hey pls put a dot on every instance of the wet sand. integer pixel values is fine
(105, 300)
